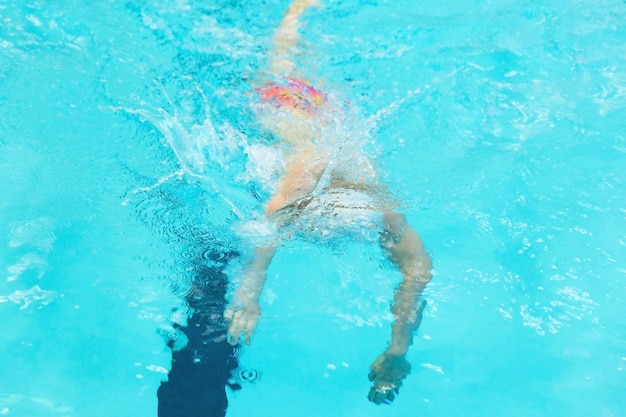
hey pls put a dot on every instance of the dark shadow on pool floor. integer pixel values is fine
(200, 372)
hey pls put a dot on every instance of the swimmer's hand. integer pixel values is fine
(242, 320)
(387, 373)
(244, 312)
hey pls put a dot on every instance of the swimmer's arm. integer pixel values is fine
(286, 37)
(390, 368)
(244, 311)
(405, 249)
(301, 174)
(407, 310)
(255, 275)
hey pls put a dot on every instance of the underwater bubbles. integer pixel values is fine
(249, 376)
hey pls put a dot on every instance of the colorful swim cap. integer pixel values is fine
(293, 93)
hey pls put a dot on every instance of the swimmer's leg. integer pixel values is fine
(286, 37)
(404, 248)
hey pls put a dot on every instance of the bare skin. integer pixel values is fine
(403, 246)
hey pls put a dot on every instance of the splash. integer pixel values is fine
(232, 166)
(209, 154)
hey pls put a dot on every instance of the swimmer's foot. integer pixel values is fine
(242, 320)
(387, 373)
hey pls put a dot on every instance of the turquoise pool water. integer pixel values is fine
(500, 125)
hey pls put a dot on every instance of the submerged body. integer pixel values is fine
(316, 184)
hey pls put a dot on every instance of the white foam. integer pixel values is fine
(29, 261)
(264, 165)
(38, 233)
(28, 297)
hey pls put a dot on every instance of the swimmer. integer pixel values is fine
(298, 122)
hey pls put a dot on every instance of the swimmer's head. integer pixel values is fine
(301, 98)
